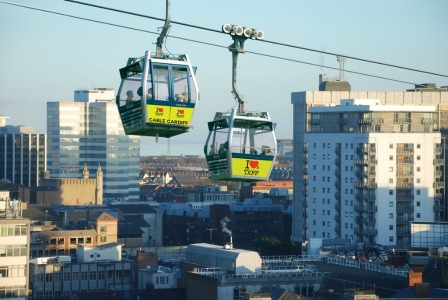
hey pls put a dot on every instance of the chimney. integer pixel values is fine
(415, 278)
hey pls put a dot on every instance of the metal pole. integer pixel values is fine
(165, 29)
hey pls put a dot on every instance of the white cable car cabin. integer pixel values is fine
(241, 146)
(157, 95)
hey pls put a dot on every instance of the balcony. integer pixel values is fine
(428, 121)
(405, 162)
(337, 206)
(405, 151)
(438, 150)
(371, 232)
(405, 174)
(369, 221)
(402, 121)
(343, 121)
(371, 208)
(337, 217)
(438, 196)
(358, 208)
(365, 185)
(405, 208)
(404, 219)
(403, 232)
(405, 198)
(405, 185)
(439, 185)
(439, 208)
(439, 162)
(438, 174)
(315, 121)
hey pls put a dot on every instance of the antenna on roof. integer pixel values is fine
(341, 60)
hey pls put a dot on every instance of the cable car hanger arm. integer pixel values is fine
(165, 29)
(239, 35)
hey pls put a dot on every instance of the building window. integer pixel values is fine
(391, 146)
(391, 227)
(103, 228)
(418, 215)
(103, 238)
(72, 240)
(391, 180)
(418, 169)
(391, 157)
(48, 277)
(418, 146)
(418, 192)
(67, 276)
(92, 275)
(314, 211)
(83, 275)
(391, 192)
(418, 203)
(418, 180)
(391, 169)
(391, 239)
(391, 216)
(100, 275)
(391, 204)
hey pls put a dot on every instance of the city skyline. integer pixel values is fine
(57, 55)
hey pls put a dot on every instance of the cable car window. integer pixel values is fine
(180, 84)
(161, 91)
(128, 89)
(253, 141)
(217, 143)
(149, 92)
(193, 91)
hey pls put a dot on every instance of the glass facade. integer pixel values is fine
(91, 133)
(429, 235)
(22, 157)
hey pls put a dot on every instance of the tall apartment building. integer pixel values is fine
(22, 154)
(394, 168)
(89, 131)
(14, 249)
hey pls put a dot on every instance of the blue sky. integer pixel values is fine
(45, 57)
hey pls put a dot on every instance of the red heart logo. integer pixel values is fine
(160, 109)
(181, 111)
(253, 164)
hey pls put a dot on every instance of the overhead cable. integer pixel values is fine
(266, 41)
(204, 43)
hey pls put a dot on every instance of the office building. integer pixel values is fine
(14, 249)
(89, 131)
(383, 139)
(23, 154)
(97, 268)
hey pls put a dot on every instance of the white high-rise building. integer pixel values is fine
(14, 249)
(365, 168)
(89, 131)
(371, 170)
